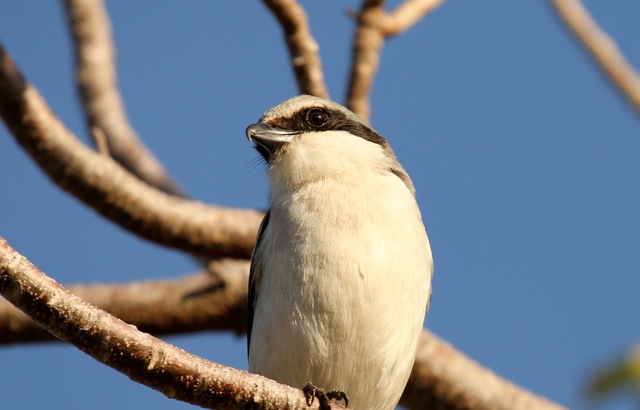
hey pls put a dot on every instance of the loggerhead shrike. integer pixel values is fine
(341, 272)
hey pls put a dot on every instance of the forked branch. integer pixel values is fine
(101, 100)
(373, 26)
(112, 191)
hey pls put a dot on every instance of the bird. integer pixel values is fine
(340, 276)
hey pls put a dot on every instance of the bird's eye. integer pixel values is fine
(317, 117)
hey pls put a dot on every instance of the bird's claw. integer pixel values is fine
(324, 398)
(338, 395)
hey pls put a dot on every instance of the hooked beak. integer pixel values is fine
(267, 139)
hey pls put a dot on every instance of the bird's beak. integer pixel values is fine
(267, 139)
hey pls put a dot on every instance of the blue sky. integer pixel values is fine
(525, 160)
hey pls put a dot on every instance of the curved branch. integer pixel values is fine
(365, 57)
(303, 48)
(373, 26)
(601, 48)
(213, 300)
(442, 377)
(407, 15)
(110, 190)
(140, 356)
(103, 106)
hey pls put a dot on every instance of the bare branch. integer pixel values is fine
(140, 356)
(303, 48)
(601, 47)
(373, 26)
(97, 83)
(407, 15)
(443, 377)
(365, 58)
(210, 300)
(110, 190)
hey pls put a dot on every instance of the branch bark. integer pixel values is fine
(211, 300)
(442, 377)
(303, 49)
(140, 356)
(406, 15)
(601, 47)
(365, 57)
(97, 85)
(109, 189)
(373, 26)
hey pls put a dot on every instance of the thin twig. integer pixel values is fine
(303, 49)
(112, 191)
(365, 57)
(407, 15)
(373, 26)
(97, 83)
(601, 47)
(140, 356)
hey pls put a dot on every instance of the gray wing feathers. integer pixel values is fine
(255, 274)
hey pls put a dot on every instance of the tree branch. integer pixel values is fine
(407, 15)
(303, 48)
(365, 57)
(373, 26)
(442, 377)
(141, 357)
(103, 106)
(213, 300)
(601, 48)
(110, 190)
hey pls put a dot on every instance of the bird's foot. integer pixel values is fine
(324, 398)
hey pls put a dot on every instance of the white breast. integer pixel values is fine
(345, 284)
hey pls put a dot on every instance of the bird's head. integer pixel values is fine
(307, 139)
